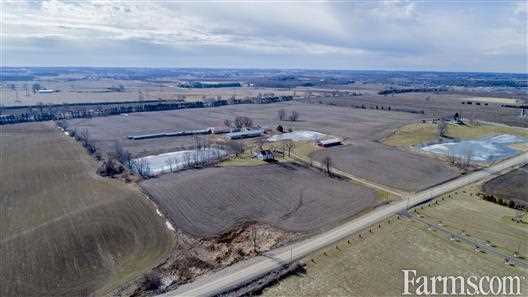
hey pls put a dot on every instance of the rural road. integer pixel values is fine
(251, 269)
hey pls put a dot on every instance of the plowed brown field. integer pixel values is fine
(63, 230)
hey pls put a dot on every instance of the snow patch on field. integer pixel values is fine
(482, 150)
(170, 162)
(169, 226)
(298, 136)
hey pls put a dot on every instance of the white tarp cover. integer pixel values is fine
(170, 162)
(298, 136)
(483, 150)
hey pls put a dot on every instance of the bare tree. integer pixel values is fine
(228, 123)
(172, 163)
(327, 163)
(235, 147)
(289, 145)
(199, 142)
(36, 87)
(282, 114)
(142, 167)
(241, 122)
(452, 159)
(467, 159)
(442, 128)
(294, 116)
(122, 155)
(187, 160)
(260, 142)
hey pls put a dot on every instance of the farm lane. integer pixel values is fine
(254, 268)
(360, 180)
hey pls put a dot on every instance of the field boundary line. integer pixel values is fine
(360, 180)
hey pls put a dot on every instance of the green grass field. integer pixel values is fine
(419, 133)
(371, 265)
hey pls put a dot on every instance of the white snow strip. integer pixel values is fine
(298, 136)
(169, 226)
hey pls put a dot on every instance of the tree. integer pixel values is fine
(467, 159)
(327, 163)
(122, 155)
(442, 128)
(282, 114)
(288, 146)
(260, 143)
(294, 116)
(142, 167)
(280, 129)
(228, 123)
(243, 122)
(36, 87)
(151, 281)
(235, 147)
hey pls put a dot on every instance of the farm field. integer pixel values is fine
(353, 124)
(63, 230)
(511, 186)
(360, 128)
(480, 219)
(92, 91)
(285, 195)
(356, 266)
(388, 166)
(442, 104)
(350, 123)
(420, 133)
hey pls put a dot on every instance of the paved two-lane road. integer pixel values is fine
(254, 268)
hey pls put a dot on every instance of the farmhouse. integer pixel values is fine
(265, 155)
(329, 142)
(244, 134)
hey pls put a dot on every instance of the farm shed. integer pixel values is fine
(244, 134)
(170, 134)
(329, 142)
(222, 130)
(46, 91)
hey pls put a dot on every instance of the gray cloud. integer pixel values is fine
(460, 36)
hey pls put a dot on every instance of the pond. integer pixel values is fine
(486, 149)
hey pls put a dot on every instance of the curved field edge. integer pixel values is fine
(63, 230)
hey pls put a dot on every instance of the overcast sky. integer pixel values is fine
(390, 35)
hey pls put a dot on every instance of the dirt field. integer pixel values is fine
(358, 267)
(388, 166)
(352, 124)
(433, 104)
(285, 195)
(63, 230)
(511, 186)
(360, 128)
(83, 91)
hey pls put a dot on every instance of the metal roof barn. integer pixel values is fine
(244, 134)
